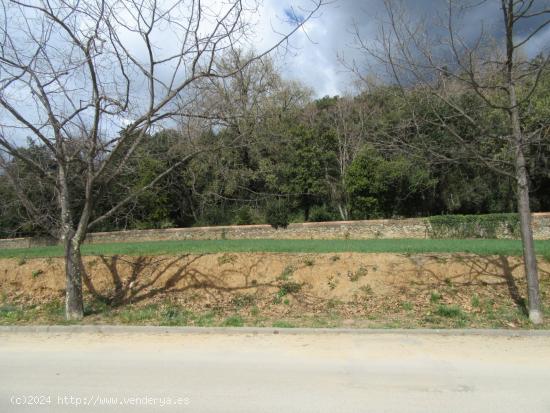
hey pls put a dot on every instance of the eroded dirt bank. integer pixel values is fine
(350, 285)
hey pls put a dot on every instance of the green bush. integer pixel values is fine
(244, 216)
(277, 215)
(320, 214)
(473, 226)
(450, 311)
(289, 287)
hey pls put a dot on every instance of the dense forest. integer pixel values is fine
(270, 153)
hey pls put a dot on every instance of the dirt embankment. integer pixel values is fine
(356, 284)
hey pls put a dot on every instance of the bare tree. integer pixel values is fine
(436, 56)
(348, 118)
(90, 79)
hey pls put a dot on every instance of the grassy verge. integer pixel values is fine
(475, 246)
(487, 313)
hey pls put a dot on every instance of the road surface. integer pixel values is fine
(166, 372)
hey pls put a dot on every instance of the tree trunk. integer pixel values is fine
(524, 210)
(343, 212)
(529, 255)
(74, 308)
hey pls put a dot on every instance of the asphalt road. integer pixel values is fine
(133, 372)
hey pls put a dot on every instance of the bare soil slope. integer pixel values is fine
(287, 285)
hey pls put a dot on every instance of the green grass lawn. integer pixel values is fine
(476, 246)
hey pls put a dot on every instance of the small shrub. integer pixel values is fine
(407, 306)
(11, 314)
(366, 290)
(475, 301)
(206, 319)
(288, 271)
(473, 226)
(320, 214)
(22, 261)
(243, 300)
(277, 215)
(450, 311)
(332, 282)
(355, 276)
(7, 308)
(489, 308)
(309, 262)
(37, 273)
(289, 287)
(244, 216)
(175, 316)
(435, 297)
(335, 258)
(136, 315)
(96, 306)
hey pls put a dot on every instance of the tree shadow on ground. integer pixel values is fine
(481, 271)
(152, 276)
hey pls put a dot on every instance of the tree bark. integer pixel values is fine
(524, 210)
(343, 212)
(522, 176)
(74, 307)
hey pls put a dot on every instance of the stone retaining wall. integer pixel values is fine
(385, 228)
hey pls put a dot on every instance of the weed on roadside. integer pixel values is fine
(332, 282)
(450, 311)
(366, 290)
(175, 316)
(205, 320)
(240, 301)
(289, 287)
(134, 315)
(282, 324)
(37, 273)
(233, 321)
(435, 297)
(288, 271)
(309, 262)
(354, 276)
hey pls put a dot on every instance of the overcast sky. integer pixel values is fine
(313, 60)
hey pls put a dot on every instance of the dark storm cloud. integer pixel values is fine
(315, 62)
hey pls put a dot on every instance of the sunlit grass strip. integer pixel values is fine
(413, 246)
